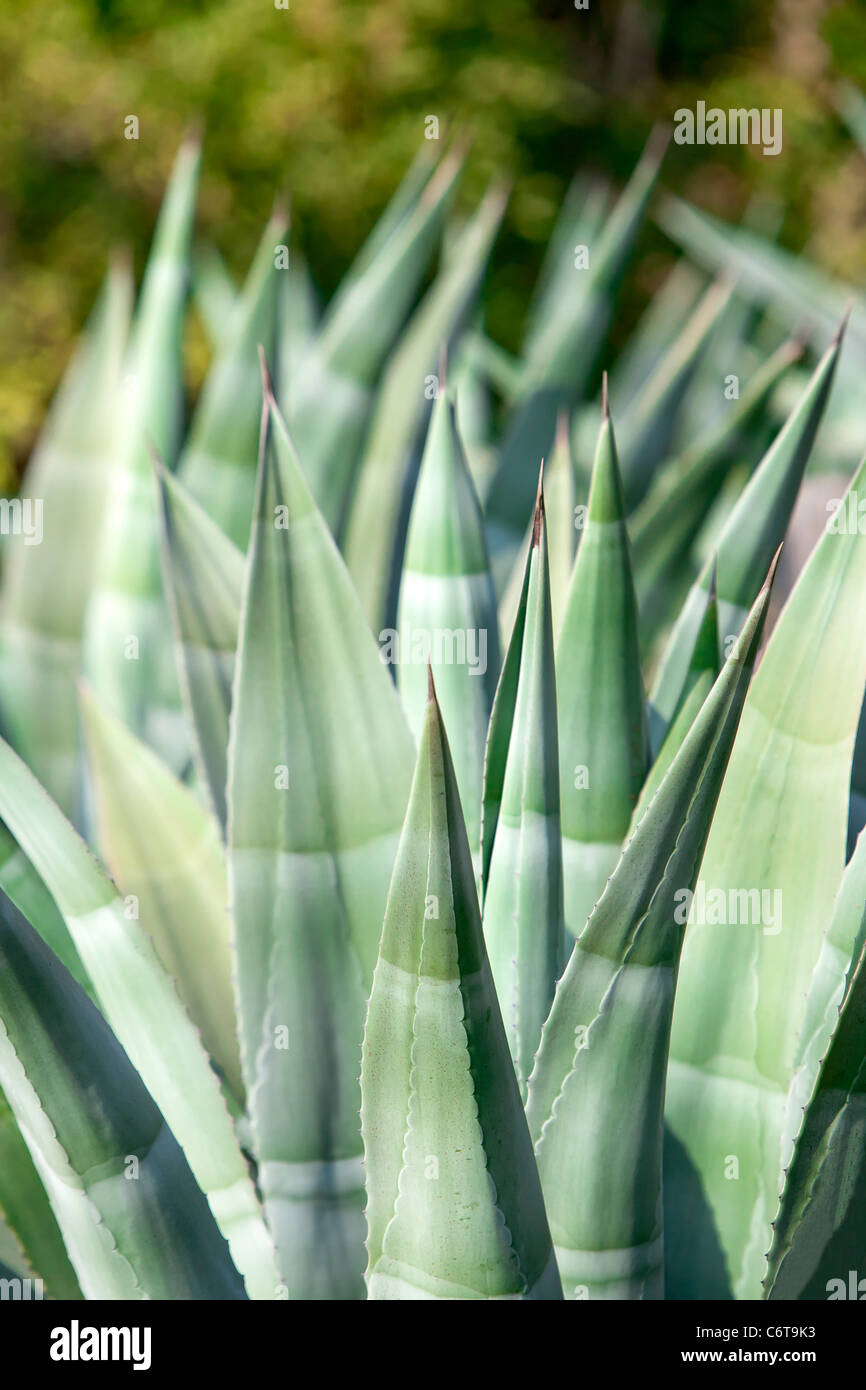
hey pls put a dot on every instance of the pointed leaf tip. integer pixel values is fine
(840, 331)
(771, 572)
(714, 574)
(193, 137)
(605, 408)
(431, 688)
(267, 384)
(538, 515)
(443, 366)
(658, 142)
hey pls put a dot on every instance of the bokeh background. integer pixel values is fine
(327, 99)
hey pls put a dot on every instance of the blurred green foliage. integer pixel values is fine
(327, 98)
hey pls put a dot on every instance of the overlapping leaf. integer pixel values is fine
(320, 763)
(602, 728)
(454, 1206)
(447, 609)
(128, 658)
(134, 1222)
(142, 1006)
(524, 924)
(770, 874)
(218, 462)
(46, 586)
(607, 1035)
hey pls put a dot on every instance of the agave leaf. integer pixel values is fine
(797, 293)
(218, 461)
(331, 396)
(564, 519)
(134, 1223)
(579, 222)
(808, 296)
(375, 532)
(297, 322)
(142, 1006)
(500, 369)
(473, 400)
(403, 202)
(672, 305)
(824, 1110)
(608, 1031)
(215, 294)
(320, 764)
(700, 678)
(649, 422)
(20, 881)
(563, 358)
(454, 1207)
(742, 1004)
(602, 727)
(26, 1215)
(753, 532)
(524, 923)
(46, 586)
(819, 1232)
(447, 609)
(161, 847)
(662, 529)
(203, 573)
(127, 658)
(839, 952)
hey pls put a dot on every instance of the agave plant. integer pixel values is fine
(407, 889)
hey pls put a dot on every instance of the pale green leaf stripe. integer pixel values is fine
(46, 586)
(648, 423)
(743, 996)
(320, 764)
(163, 848)
(128, 654)
(142, 1005)
(26, 1215)
(375, 530)
(330, 400)
(524, 923)
(602, 729)
(203, 573)
(607, 1035)
(20, 881)
(134, 1222)
(454, 1208)
(218, 462)
(563, 357)
(749, 539)
(447, 609)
